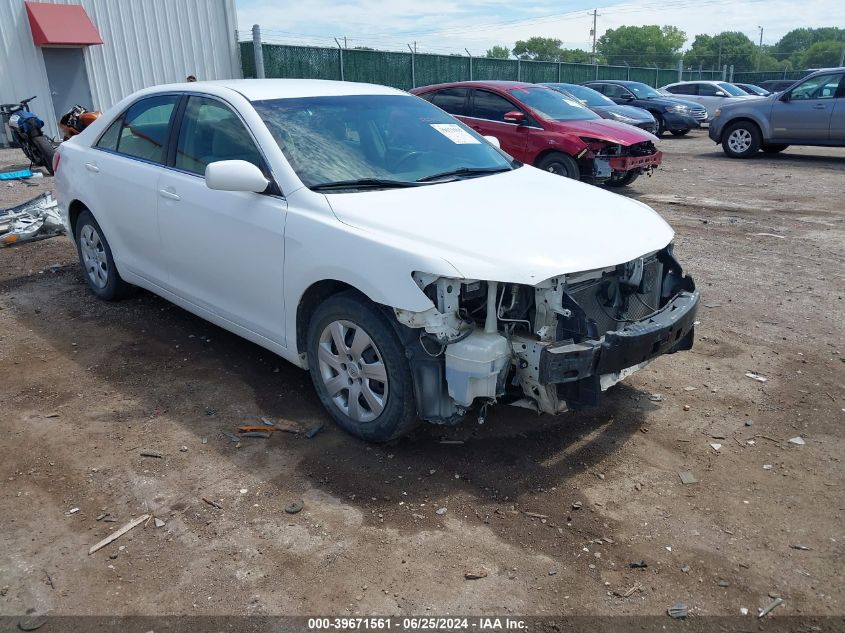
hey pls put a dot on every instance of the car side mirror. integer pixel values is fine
(719, 93)
(786, 97)
(493, 141)
(627, 97)
(515, 116)
(235, 175)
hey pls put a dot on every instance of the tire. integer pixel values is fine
(622, 179)
(560, 164)
(45, 152)
(96, 260)
(774, 148)
(661, 124)
(679, 132)
(741, 139)
(342, 365)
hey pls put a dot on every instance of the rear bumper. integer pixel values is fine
(627, 163)
(668, 330)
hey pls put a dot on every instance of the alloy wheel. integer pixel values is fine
(739, 140)
(352, 370)
(94, 256)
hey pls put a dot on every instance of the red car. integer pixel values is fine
(541, 127)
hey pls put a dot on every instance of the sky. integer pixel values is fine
(450, 26)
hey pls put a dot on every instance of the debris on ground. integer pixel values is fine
(687, 477)
(155, 454)
(715, 446)
(797, 440)
(310, 433)
(294, 506)
(757, 377)
(17, 174)
(476, 575)
(213, 504)
(577, 505)
(639, 564)
(36, 219)
(234, 438)
(71, 511)
(441, 511)
(774, 604)
(803, 548)
(118, 533)
(533, 515)
(159, 522)
(32, 622)
(655, 397)
(743, 611)
(678, 611)
(685, 569)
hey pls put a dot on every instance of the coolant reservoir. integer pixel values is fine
(474, 365)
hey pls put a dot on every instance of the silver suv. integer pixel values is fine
(812, 112)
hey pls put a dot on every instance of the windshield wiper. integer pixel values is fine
(363, 183)
(464, 171)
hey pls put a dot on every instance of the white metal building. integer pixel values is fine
(51, 49)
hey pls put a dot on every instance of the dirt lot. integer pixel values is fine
(85, 386)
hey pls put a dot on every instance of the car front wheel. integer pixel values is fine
(359, 369)
(95, 258)
(622, 178)
(741, 140)
(560, 164)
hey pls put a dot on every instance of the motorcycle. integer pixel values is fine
(27, 132)
(76, 120)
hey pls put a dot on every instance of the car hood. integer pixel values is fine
(638, 114)
(522, 226)
(604, 129)
(665, 102)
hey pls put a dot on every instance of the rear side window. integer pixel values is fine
(707, 90)
(211, 131)
(142, 131)
(490, 106)
(452, 100)
(682, 89)
(612, 90)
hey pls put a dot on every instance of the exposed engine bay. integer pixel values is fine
(602, 159)
(550, 347)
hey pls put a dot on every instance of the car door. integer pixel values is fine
(122, 171)
(805, 112)
(687, 91)
(224, 249)
(837, 118)
(710, 96)
(487, 116)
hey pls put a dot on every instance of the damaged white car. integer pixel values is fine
(416, 270)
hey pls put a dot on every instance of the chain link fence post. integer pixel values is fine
(257, 51)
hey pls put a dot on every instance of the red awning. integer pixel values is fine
(61, 25)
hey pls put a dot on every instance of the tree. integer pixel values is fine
(541, 49)
(822, 54)
(726, 48)
(498, 52)
(641, 45)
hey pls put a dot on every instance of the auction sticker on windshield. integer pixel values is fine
(455, 133)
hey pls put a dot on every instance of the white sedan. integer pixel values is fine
(416, 270)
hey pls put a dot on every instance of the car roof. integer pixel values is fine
(500, 84)
(263, 89)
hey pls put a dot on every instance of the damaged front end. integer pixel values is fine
(602, 160)
(36, 219)
(550, 347)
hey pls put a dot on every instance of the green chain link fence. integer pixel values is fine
(407, 70)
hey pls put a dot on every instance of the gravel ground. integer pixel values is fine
(553, 509)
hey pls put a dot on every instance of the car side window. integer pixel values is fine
(821, 87)
(707, 90)
(143, 129)
(211, 131)
(451, 100)
(612, 90)
(683, 89)
(109, 138)
(490, 106)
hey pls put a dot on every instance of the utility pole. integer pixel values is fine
(842, 57)
(760, 51)
(593, 33)
(257, 51)
(719, 63)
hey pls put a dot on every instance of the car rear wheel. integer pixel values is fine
(661, 124)
(741, 140)
(774, 148)
(679, 132)
(622, 178)
(95, 258)
(359, 369)
(560, 164)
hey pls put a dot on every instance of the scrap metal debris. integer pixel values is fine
(774, 604)
(117, 534)
(679, 611)
(757, 377)
(797, 440)
(36, 219)
(687, 477)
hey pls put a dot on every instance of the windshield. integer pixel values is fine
(552, 105)
(732, 90)
(643, 91)
(587, 96)
(757, 90)
(398, 138)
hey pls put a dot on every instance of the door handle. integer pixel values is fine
(819, 106)
(92, 167)
(170, 195)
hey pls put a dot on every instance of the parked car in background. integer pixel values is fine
(606, 108)
(777, 85)
(709, 94)
(672, 114)
(555, 133)
(811, 112)
(753, 90)
(363, 234)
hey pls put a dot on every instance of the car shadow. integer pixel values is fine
(783, 158)
(210, 381)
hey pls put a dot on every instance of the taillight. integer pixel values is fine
(57, 158)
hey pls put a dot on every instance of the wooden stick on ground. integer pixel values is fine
(117, 534)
